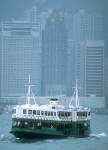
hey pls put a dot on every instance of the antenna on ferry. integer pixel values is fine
(29, 85)
(75, 95)
(29, 79)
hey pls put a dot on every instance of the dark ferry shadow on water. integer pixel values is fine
(49, 140)
(23, 140)
(13, 139)
(35, 140)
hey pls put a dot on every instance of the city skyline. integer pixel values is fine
(80, 27)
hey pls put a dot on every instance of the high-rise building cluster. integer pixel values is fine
(86, 53)
(57, 49)
(54, 49)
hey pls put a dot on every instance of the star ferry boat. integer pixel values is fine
(52, 120)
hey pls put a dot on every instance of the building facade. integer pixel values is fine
(83, 27)
(94, 68)
(32, 15)
(21, 55)
(54, 55)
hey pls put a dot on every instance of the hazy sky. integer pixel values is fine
(14, 9)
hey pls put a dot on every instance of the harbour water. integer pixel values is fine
(98, 139)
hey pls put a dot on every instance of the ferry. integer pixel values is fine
(51, 120)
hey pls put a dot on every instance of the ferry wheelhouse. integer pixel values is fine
(50, 120)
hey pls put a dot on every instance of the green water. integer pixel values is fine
(98, 140)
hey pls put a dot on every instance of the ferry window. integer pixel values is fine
(26, 123)
(39, 124)
(38, 112)
(79, 114)
(48, 113)
(34, 112)
(45, 113)
(30, 112)
(24, 111)
(14, 123)
(83, 113)
(59, 114)
(69, 113)
(41, 112)
(19, 123)
(66, 114)
(62, 114)
(51, 113)
(14, 111)
(88, 113)
(53, 107)
(54, 113)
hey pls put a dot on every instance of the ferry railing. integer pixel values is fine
(83, 118)
(13, 116)
(43, 117)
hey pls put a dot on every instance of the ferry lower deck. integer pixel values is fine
(32, 128)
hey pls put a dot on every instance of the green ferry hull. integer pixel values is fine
(60, 130)
(33, 134)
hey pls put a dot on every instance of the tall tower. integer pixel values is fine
(54, 55)
(32, 15)
(81, 26)
(97, 26)
(21, 55)
(76, 66)
(94, 68)
(85, 27)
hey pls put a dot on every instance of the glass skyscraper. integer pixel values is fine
(54, 62)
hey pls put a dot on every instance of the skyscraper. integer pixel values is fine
(21, 55)
(87, 26)
(81, 26)
(94, 68)
(32, 15)
(97, 26)
(76, 66)
(84, 27)
(86, 66)
(54, 55)
(106, 81)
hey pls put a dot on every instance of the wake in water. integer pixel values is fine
(6, 137)
(98, 135)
